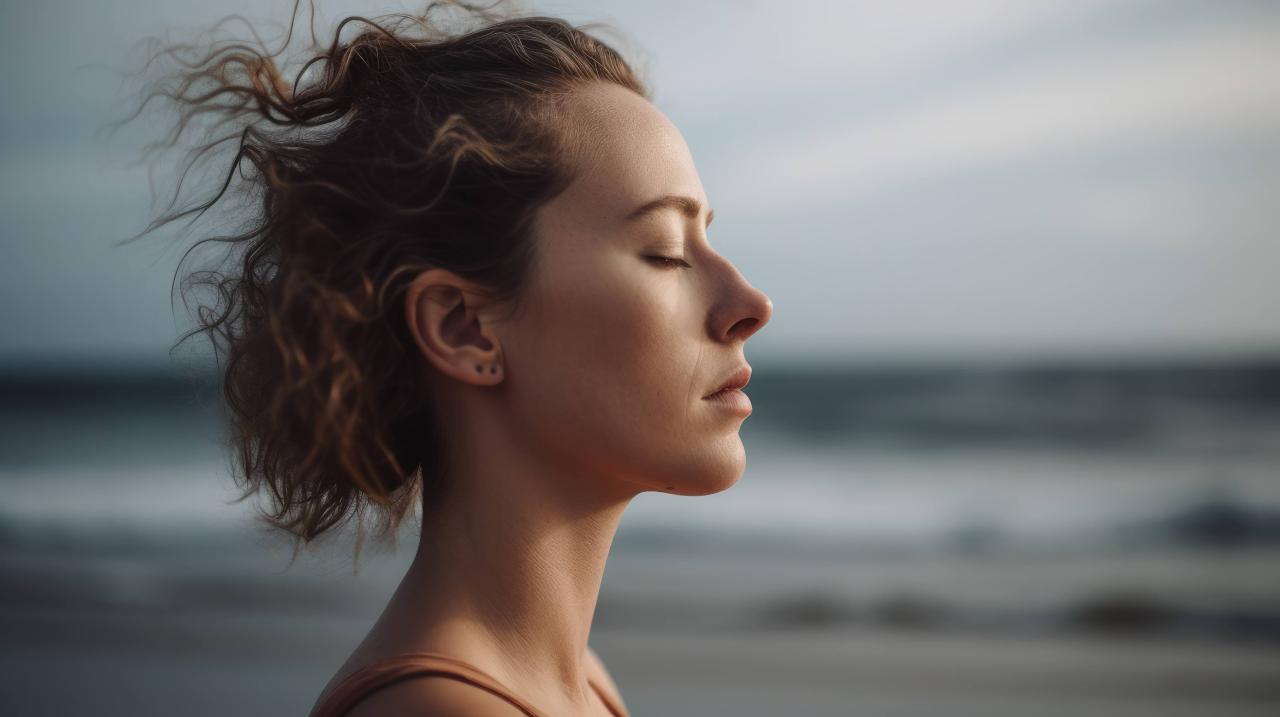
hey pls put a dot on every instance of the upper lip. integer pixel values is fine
(737, 379)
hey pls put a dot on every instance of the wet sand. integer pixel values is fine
(140, 663)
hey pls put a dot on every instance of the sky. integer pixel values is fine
(989, 179)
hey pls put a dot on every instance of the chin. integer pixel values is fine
(709, 488)
(706, 476)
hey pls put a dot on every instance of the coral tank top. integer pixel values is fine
(381, 673)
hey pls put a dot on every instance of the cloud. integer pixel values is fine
(1223, 81)
(725, 58)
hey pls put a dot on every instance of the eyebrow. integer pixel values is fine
(686, 205)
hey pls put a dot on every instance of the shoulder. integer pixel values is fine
(600, 674)
(433, 696)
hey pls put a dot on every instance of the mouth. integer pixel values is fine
(732, 400)
(737, 380)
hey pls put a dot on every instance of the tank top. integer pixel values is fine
(359, 684)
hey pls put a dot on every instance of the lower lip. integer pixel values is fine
(732, 399)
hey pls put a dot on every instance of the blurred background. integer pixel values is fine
(1016, 440)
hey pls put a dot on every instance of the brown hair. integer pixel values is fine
(406, 153)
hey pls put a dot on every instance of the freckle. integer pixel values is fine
(671, 487)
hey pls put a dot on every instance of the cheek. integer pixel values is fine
(617, 352)
(629, 341)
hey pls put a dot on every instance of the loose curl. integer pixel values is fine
(406, 153)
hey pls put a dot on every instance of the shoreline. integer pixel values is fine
(248, 666)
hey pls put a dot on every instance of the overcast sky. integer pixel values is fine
(993, 179)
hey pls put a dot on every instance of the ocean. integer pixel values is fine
(1119, 514)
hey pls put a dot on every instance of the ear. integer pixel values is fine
(450, 328)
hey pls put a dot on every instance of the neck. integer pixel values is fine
(508, 571)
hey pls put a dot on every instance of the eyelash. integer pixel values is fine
(669, 261)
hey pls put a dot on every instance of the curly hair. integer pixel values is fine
(409, 151)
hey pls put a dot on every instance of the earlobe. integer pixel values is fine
(449, 331)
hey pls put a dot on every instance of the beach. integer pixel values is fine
(144, 664)
(1088, 541)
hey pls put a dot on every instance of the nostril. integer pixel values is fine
(744, 327)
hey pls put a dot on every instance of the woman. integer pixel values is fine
(480, 278)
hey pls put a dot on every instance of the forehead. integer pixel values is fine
(627, 152)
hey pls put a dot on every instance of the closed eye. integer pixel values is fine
(669, 261)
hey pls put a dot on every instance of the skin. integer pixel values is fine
(597, 397)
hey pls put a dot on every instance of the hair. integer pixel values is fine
(408, 151)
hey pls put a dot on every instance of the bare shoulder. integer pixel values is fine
(433, 696)
(600, 674)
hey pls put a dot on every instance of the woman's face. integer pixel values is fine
(614, 349)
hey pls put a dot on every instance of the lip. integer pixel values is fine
(731, 399)
(737, 380)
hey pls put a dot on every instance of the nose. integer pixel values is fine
(746, 315)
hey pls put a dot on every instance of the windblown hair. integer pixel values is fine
(408, 151)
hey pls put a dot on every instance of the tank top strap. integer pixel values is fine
(359, 684)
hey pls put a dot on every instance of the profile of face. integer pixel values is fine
(628, 321)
